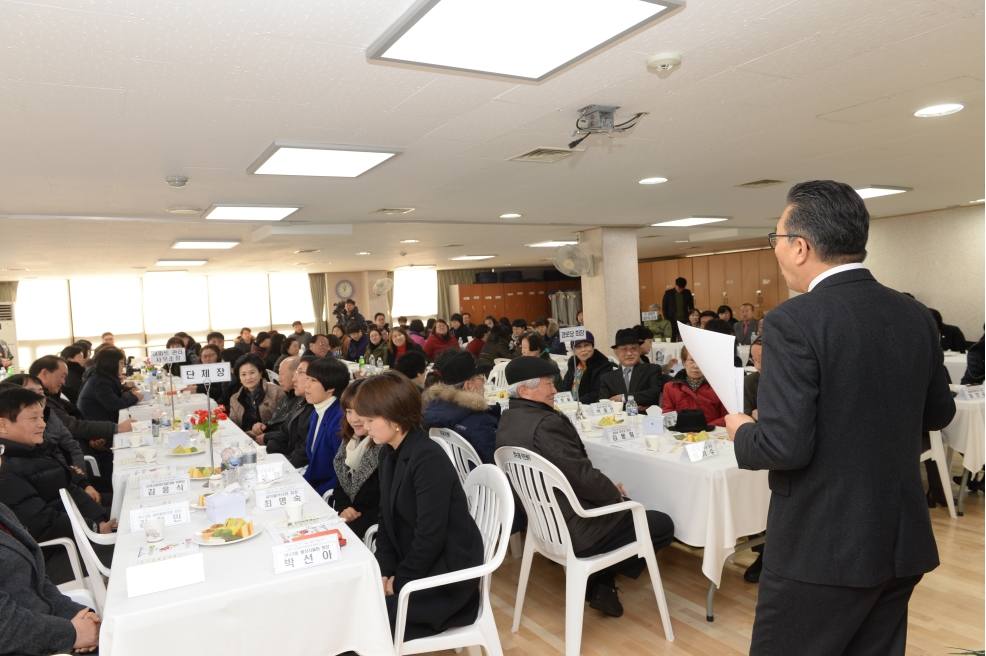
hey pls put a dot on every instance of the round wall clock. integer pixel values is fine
(345, 289)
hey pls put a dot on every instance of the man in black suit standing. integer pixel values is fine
(677, 304)
(843, 399)
(644, 381)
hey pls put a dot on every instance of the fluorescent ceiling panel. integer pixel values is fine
(521, 39)
(320, 160)
(180, 262)
(694, 221)
(204, 245)
(473, 257)
(939, 110)
(876, 192)
(224, 212)
(552, 244)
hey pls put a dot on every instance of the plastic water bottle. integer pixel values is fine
(380, 363)
(235, 462)
(225, 468)
(156, 422)
(248, 467)
(631, 407)
(660, 357)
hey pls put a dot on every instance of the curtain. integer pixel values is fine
(449, 277)
(316, 281)
(8, 292)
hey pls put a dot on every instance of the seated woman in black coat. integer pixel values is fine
(425, 525)
(357, 492)
(103, 395)
(585, 370)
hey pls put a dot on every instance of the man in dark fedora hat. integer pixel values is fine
(641, 380)
(532, 423)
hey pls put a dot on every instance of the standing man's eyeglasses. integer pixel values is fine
(772, 239)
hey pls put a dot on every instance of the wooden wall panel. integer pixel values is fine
(699, 281)
(734, 277)
(749, 282)
(647, 291)
(717, 281)
(685, 270)
(657, 278)
(515, 301)
(772, 285)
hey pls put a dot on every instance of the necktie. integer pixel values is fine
(626, 377)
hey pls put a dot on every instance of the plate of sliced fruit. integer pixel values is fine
(199, 502)
(201, 472)
(233, 530)
(185, 451)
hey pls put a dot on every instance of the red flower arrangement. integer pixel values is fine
(201, 420)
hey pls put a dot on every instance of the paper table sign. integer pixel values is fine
(971, 393)
(173, 513)
(164, 566)
(296, 556)
(504, 404)
(653, 425)
(648, 316)
(201, 373)
(153, 488)
(306, 529)
(616, 434)
(571, 416)
(563, 397)
(571, 334)
(601, 409)
(701, 450)
(278, 497)
(270, 472)
(166, 356)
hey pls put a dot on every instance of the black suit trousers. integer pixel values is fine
(661, 529)
(827, 620)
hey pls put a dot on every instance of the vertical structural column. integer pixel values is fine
(611, 296)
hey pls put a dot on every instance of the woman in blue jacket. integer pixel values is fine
(103, 395)
(327, 378)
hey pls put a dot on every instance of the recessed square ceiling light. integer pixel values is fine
(363, 253)
(165, 273)
(511, 38)
(510, 216)
(180, 262)
(321, 160)
(652, 181)
(875, 191)
(939, 110)
(409, 241)
(230, 212)
(693, 221)
(553, 244)
(473, 257)
(204, 245)
(981, 200)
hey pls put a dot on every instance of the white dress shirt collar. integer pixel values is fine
(834, 270)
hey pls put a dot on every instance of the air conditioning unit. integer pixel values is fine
(8, 332)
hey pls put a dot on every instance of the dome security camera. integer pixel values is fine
(663, 62)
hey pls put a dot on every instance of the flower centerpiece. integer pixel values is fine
(202, 420)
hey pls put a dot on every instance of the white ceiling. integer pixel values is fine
(100, 100)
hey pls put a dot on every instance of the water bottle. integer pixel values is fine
(235, 462)
(660, 357)
(631, 407)
(248, 466)
(156, 423)
(380, 363)
(633, 415)
(225, 467)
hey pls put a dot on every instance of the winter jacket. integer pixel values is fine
(418, 338)
(391, 356)
(73, 381)
(258, 351)
(357, 317)
(435, 344)
(373, 353)
(287, 430)
(272, 396)
(494, 350)
(321, 449)
(660, 328)
(556, 346)
(679, 396)
(356, 348)
(462, 332)
(669, 302)
(81, 429)
(102, 398)
(36, 618)
(304, 338)
(588, 389)
(464, 412)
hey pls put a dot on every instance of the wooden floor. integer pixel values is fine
(946, 611)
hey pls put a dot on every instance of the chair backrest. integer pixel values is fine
(370, 538)
(458, 449)
(94, 567)
(492, 507)
(535, 480)
(498, 375)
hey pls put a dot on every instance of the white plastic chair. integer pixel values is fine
(93, 464)
(937, 453)
(492, 506)
(458, 449)
(370, 538)
(327, 496)
(535, 480)
(76, 588)
(84, 538)
(498, 375)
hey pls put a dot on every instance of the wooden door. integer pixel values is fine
(514, 300)
(749, 282)
(734, 274)
(771, 283)
(717, 281)
(700, 281)
(469, 301)
(491, 299)
(657, 279)
(647, 291)
(537, 300)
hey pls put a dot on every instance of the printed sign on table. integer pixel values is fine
(563, 397)
(601, 409)
(616, 434)
(296, 556)
(166, 356)
(572, 334)
(202, 373)
(171, 513)
(278, 497)
(701, 450)
(152, 488)
(648, 316)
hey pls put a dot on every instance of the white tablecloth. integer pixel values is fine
(669, 349)
(956, 364)
(243, 607)
(142, 411)
(712, 502)
(967, 433)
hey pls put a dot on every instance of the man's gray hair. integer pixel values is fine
(514, 390)
(292, 362)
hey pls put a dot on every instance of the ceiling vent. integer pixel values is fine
(6, 311)
(394, 210)
(546, 155)
(757, 184)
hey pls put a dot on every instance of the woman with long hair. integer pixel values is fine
(400, 343)
(440, 339)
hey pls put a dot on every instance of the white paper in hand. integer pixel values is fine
(713, 353)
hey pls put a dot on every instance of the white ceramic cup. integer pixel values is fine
(294, 510)
(653, 442)
(617, 405)
(586, 425)
(154, 530)
(134, 440)
(147, 455)
(140, 426)
(620, 416)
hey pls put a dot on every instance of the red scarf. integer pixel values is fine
(401, 349)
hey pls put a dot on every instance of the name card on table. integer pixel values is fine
(172, 514)
(165, 486)
(270, 472)
(615, 434)
(205, 373)
(601, 409)
(278, 497)
(701, 450)
(167, 356)
(971, 393)
(164, 566)
(563, 397)
(648, 316)
(572, 334)
(296, 556)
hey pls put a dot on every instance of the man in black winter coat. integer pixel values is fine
(287, 429)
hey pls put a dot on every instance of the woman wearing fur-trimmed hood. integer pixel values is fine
(457, 403)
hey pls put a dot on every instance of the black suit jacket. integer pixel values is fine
(646, 383)
(426, 530)
(852, 374)
(667, 304)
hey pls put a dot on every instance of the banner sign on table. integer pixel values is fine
(601, 409)
(572, 334)
(563, 397)
(164, 487)
(166, 356)
(278, 497)
(619, 434)
(648, 316)
(270, 472)
(971, 393)
(307, 553)
(202, 373)
(171, 513)
(701, 450)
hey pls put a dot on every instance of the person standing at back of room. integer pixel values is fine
(677, 304)
(852, 373)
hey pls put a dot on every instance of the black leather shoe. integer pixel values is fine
(938, 498)
(752, 573)
(605, 600)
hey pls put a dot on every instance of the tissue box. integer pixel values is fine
(178, 438)
(220, 507)
(567, 407)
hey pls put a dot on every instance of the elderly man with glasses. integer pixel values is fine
(643, 381)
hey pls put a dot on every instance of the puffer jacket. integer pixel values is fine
(588, 390)
(102, 398)
(272, 395)
(378, 352)
(435, 344)
(466, 413)
(494, 350)
(287, 430)
(679, 396)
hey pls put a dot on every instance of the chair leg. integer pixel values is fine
(516, 545)
(488, 626)
(938, 455)
(662, 602)
(474, 650)
(525, 572)
(575, 581)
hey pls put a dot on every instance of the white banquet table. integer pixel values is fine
(142, 411)
(243, 607)
(967, 435)
(956, 364)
